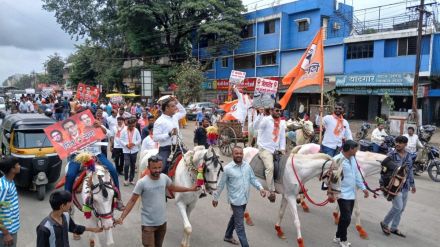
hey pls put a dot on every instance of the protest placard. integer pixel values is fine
(265, 92)
(236, 77)
(68, 93)
(46, 92)
(74, 133)
(116, 99)
(87, 93)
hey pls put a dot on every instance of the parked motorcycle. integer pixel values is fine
(425, 133)
(363, 132)
(386, 147)
(428, 162)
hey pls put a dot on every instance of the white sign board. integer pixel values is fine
(147, 83)
(265, 92)
(68, 93)
(30, 91)
(236, 77)
(46, 92)
(116, 99)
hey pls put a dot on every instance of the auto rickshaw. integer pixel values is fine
(22, 136)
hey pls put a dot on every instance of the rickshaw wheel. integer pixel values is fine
(227, 141)
(41, 192)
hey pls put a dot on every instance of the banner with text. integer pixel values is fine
(236, 77)
(74, 133)
(265, 92)
(87, 93)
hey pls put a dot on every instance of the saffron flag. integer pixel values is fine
(308, 71)
(229, 107)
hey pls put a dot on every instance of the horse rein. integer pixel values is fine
(374, 192)
(214, 159)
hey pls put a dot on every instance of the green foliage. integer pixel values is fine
(148, 24)
(189, 79)
(379, 120)
(54, 66)
(388, 100)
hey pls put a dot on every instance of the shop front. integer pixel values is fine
(364, 94)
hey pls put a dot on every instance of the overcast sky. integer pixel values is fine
(29, 34)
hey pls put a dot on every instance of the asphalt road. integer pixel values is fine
(420, 220)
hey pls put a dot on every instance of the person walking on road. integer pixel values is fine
(151, 189)
(237, 177)
(352, 179)
(336, 131)
(400, 157)
(9, 210)
(116, 146)
(200, 134)
(130, 142)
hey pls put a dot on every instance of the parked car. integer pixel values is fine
(193, 108)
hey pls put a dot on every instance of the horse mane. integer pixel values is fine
(296, 149)
(196, 154)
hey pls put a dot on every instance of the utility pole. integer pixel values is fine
(421, 9)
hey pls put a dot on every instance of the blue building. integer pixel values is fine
(273, 42)
(363, 61)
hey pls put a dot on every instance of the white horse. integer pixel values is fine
(143, 159)
(369, 163)
(301, 132)
(186, 173)
(307, 167)
(98, 191)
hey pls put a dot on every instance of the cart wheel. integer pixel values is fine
(227, 141)
(41, 192)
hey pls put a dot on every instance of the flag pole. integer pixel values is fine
(321, 109)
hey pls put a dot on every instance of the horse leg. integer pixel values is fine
(291, 199)
(187, 229)
(357, 213)
(283, 206)
(336, 214)
(109, 237)
(189, 209)
(303, 203)
(248, 219)
(93, 237)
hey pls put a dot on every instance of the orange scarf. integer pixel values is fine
(130, 135)
(339, 125)
(276, 129)
(118, 132)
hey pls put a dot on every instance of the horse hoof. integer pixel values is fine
(92, 243)
(336, 218)
(362, 233)
(280, 232)
(305, 207)
(300, 242)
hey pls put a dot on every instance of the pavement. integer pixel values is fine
(420, 219)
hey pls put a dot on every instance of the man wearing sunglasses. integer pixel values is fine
(337, 130)
(271, 138)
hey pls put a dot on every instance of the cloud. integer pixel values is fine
(24, 24)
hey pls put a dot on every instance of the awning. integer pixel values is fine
(122, 94)
(397, 91)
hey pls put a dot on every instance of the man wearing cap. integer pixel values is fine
(271, 139)
(166, 128)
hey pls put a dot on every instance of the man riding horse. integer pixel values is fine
(271, 139)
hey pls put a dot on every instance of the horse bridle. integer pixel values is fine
(103, 186)
(215, 160)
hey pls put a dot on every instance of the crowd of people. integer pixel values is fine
(131, 128)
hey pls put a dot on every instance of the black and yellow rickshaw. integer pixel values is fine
(22, 136)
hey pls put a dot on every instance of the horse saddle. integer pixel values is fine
(279, 163)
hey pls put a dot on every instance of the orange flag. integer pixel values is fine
(308, 71)
(228, 105)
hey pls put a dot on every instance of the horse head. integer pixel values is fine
(100, 194)
(212, 168)
(332, 179)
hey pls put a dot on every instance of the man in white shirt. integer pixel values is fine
(166, 128)
(112, 120)
(336, 130)
(130, 142)
(29, 106)
(413, 141)
(148, 143)
(116, 147)
(271, 138)
(378, 136)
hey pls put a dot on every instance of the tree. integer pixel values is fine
(54, 67)
(189, 78)
(179, 22)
